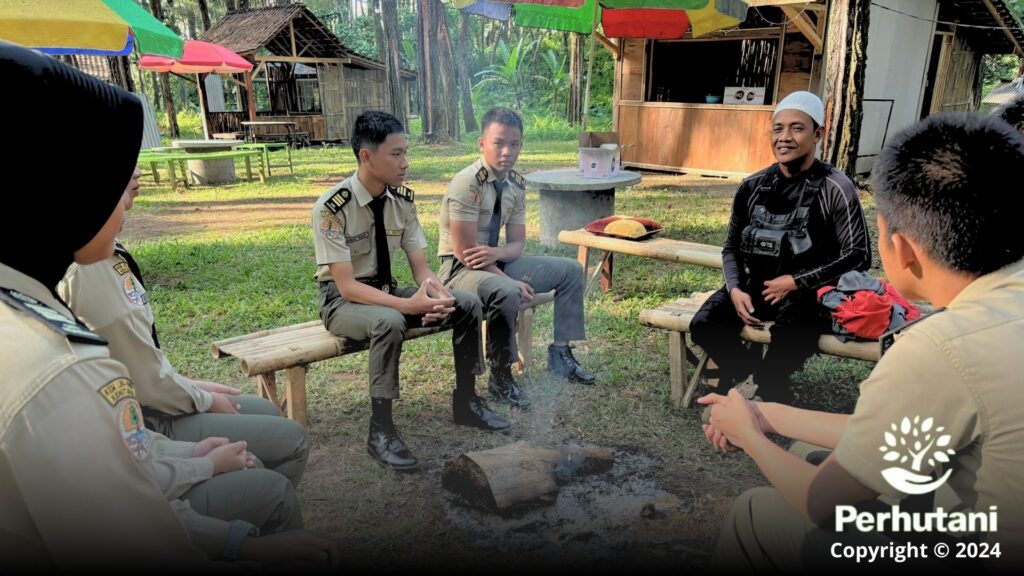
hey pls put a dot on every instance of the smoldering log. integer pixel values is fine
(519, 473)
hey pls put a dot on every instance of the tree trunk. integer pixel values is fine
(844, 82)
(204, 13)
(437, 74)
(465, 87)
(165, 82)
(230, 5)
(376, 13)
(575, 100)
(388, 21)
(242, 4)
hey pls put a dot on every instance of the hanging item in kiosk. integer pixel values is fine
(743, 95)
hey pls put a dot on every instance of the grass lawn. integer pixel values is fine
(227, 260)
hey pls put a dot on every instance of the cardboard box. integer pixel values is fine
(599, 154)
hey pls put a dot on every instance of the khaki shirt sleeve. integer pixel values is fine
(463, 199)
(174, 468)
(519, 210)
(157, 383)
(92, 499)
(329, 236)
(916, 380)
(413, 238)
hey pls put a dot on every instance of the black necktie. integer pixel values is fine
(134, 267)
(495, 227)
(380, 237)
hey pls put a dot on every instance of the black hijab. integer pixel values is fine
(72, 143)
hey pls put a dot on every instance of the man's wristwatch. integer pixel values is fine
(237, 533)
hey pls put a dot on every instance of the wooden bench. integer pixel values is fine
(657, 248)
(293, 348)
(266, 148)
(676, 316)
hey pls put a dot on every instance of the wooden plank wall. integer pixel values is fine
(631, 71)
(961, 77)
(313, 124)
(795, 74)
(363, 90)
(694, 138)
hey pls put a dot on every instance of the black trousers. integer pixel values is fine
(799, 321)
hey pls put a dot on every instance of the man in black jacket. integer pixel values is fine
(795, 226)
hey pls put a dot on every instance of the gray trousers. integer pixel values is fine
(261, 497)
(501, 298)
(385, 329)
(280, 444)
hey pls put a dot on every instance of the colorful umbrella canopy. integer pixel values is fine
(103, 27)
(618, 18)
(198, 58)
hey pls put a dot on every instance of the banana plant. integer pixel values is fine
(509, 72)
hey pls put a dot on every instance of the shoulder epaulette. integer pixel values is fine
(403, 192)
(481, 175)
(71, 329)
(338, 199)
(518, 179)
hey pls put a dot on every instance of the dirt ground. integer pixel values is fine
(649, 512)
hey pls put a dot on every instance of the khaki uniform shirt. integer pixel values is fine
(957, 376)
(112, 302)
(77, 486)
(343, 228)
(470, 198)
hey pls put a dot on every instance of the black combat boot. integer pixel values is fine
(384, 444)
(505, 389)
(471, 410)
(561, 361)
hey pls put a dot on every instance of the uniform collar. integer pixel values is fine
(1009, 275)
(15, 280)
(363, 196)
(490, 171)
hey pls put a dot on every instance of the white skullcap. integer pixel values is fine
(805, 102)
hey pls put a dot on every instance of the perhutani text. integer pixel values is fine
(848, 517)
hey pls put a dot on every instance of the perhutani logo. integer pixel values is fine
(912, 442)
(915, 442)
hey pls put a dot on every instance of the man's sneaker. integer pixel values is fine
(471, 410)
(505, 389)
(388, 449)
(561, 361)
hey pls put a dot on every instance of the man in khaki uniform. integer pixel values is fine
(482, 199)
(111, 298)
(79, 486)
(357, 226)
(938, 423)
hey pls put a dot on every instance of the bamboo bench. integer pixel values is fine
(657, 248)
(293, 348)
(676, 316)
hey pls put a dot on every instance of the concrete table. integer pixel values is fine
(204, 172)
(569, 202)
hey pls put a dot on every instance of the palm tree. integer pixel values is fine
(508, 72)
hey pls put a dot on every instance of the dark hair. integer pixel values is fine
(949, 183)
(372, 129)
(1013, 113)
(501, 115)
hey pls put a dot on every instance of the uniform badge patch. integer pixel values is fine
(122, 268)
(403, 192)
(395, 232)
(134, 291)
(481, 175)
(132, 429)
(474, 194)
(330, 227)
(117, 390)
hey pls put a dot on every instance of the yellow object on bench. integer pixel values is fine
(676, 316)
(293, 348)
(657, 248)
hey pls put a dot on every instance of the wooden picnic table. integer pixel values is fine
(209, 170)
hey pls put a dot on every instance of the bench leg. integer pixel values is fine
(268, 388)
(606, 271)
(296, 394)
(171, 175)
(691, 387)
(248, 169)
(677, 366)
(156, 173)
(290, 169)
(524, 338)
